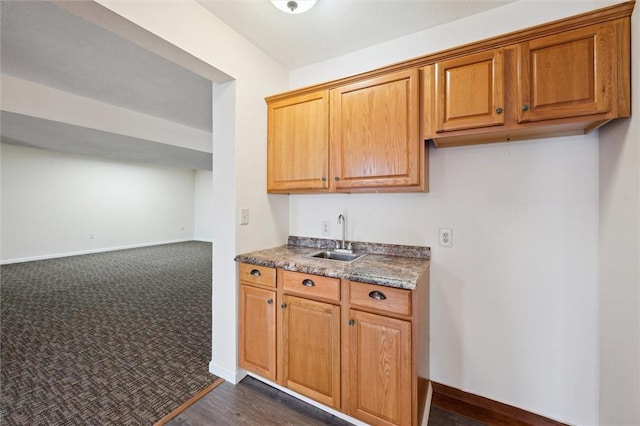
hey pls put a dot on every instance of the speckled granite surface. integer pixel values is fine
(384, 264)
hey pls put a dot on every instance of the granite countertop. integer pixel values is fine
(388, 265)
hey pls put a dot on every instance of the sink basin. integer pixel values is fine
(336, 255)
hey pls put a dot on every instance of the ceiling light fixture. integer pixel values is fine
(294, 7)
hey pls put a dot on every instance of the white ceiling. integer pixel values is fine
(336, 27)
(43, 43)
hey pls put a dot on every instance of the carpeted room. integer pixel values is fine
(122, 337)
(92, 334)
(115, 337)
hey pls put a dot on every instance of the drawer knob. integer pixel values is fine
(351, 323)
(308, 283)
(255, 272)
(283, 306)
(499, 110)
(377, 295)
(269, 301)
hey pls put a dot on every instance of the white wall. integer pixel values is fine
(53, 202)
(514, 304)
(203, 206)
(620, 259)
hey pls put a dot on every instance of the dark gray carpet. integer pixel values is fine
(120, 338)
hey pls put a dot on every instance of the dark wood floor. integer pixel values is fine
(252, 402)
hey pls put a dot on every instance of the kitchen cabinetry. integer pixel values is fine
(298, 143)
(566, 83)
(310, 314)
(566, 75)
(349, 345)
(375, 140)
(380, 356)
(356, 134)
(257, 337)
(360, 136)
(311, 349)
(469, 91)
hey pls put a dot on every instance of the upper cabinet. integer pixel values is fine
(566, 75)
(566, 83)
(469, 91)
(375, 140)
(298, 143)
(366, 133)
(362, 136)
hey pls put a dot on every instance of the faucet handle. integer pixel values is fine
(337, 244)
(349, 247)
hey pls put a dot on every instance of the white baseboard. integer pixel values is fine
(232, 376)
(203, 240)
(81, 252)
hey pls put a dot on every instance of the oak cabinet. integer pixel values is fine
(382, 354)
(380, 369)
(358, 134)
(311, 349)
(298, 143)
(257, 337)
(357, 137)
(375, 141)
(565, 75)
(469, 91)
(352, 346)
(565, 83)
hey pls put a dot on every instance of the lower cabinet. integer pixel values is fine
(379, 369)
(311, 349)
(351, 346)
(257, 343)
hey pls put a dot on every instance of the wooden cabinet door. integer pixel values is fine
(565, 75)
(311, 349)
(380, 390)
(375, 133)
(257, 337)
(298, 143)
(469, 91)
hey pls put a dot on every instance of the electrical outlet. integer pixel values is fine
(244, 217)
(326, 228)
(91, 236)
(446, 237)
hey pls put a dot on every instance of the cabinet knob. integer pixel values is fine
(283, 306)
(525, 107)
(351, 323)
(499, 110)
(255, 272)
(324, 179)
(269, 301)
(378, 295)
(308, 283)
(337, 178)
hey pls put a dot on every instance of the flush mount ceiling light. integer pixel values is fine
(294, 7)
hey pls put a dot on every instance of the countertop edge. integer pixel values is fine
(331, 271)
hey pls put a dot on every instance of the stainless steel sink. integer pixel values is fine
(337, 255)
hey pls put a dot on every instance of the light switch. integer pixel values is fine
(244, 217)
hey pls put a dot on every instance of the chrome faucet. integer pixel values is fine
(342, 246)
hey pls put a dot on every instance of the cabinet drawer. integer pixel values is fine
(258, 275)
(381, 298)
(314, 286)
